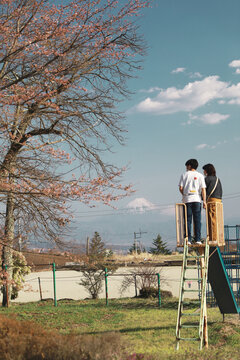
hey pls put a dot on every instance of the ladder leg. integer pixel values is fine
(181, 291)
(203, 331)
(201, 316)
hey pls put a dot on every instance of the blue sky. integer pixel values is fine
(186, 105)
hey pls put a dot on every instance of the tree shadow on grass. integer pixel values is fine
(131, 304)
(116, 304)
(188, 304)
(128, 304)
(131, 330)
(144, 303)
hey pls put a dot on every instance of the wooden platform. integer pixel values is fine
(218, 233)
(211, 244)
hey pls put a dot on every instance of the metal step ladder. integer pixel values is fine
(192, 324)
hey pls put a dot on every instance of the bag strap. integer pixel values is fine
(213, 189)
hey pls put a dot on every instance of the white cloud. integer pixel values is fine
(189, 122)
(178, 70)
(206, 146)
(140, 205)
(210, 118)
(192, 75)
(232, 91)
(195, 75)
(211, 147)
(191, 97)
(151, 90)
(201, 146)
(234, 64)
(234, 102)
(213, 118)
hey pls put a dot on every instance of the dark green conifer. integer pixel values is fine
(160, 247)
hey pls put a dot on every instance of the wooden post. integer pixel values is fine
(40, 289)
(159, 290)
(135, 280)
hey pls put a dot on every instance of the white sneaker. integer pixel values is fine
(198, 243)
(189, 243)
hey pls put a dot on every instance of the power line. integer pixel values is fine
(122, 211)
(130, 211)
(127, 208)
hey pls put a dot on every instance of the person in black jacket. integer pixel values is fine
(214, 196)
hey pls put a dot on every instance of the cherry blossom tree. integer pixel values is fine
(63, 68)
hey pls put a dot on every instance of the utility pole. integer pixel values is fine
(137, 235)
(87, 246)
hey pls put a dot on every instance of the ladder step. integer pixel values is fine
(189, 326)
(193, 279)
(188, 303)
(191, 312)
(189, 339)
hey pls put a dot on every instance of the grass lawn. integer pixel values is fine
(143, 326)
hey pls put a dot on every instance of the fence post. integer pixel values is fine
(54, 284)
(159, 291)
(106, 286)
(40, 289)
(135, 278)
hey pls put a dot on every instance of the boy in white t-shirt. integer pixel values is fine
(193, 188)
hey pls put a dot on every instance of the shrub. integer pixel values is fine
(149, 292)
(22, 340)
(142, 277)
(20, 270)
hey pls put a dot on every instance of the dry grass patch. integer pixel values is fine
(23, 340)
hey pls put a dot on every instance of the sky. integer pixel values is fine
(186, 105)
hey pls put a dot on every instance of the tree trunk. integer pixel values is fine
(7, 260)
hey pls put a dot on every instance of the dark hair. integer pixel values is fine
(193, 163)
(210, 169)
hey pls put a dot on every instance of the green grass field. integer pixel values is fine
(144, 327)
